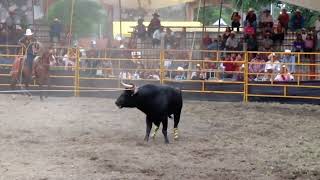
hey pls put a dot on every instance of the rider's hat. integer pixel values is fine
(29, 32)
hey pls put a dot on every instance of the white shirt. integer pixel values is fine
(274, 66)
(287, 77)
(232, 42)
(158, 35)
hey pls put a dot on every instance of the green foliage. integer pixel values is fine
(212, 14)
(86, 19)
(255, 4)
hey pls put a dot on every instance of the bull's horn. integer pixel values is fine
(127, 85)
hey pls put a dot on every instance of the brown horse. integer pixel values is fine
(41, 71)
(20, 72)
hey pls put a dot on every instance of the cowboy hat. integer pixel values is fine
(250, 9)
(56, 19)
(156, 14)
(28, 32)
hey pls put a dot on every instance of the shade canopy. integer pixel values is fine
(146, 4)
(309, 4)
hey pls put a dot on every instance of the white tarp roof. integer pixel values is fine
(222, 23)
(309, 4)
(146, 4)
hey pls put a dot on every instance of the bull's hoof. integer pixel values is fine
(166, 142)
(176, 137)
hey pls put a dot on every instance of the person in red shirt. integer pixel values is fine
(284, 19)
(206, 41)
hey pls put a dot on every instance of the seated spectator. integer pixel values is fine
(235, 18)
(199, 74)
(180, 74)
(256, 65)
(278, 34)
(214, 45)
(298, 44)
(252, 43)
(289, 60)
(272, 66)
(140, 29)
(284, 19)
(251, 18)
(304, 34)
(232, 42)
(267, 43)
(284, 75)
(155, 24)
(297, 21)
(157, 36)
(318, 41)
(55, 30)
(266, 19)
(309, 44)
(229, 67)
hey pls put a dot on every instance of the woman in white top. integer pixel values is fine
(272, 66)
(284, 75)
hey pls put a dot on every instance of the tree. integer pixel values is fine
(212, 14)
(86, 18)
(255, 4)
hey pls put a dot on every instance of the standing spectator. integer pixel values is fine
(304, 34)
(266, 19)
(157, 36)
(140, 30)
(225, 37)
(252, 43)
(317, 24)
(297, 21)
(232, 42)
(55, 30)
(284, 19)
(249, 30)
(298, 44)
(155, 24)
(309, 44)
(235, 18)
(278, 34)
(251, 18)
(169, 39)
(267, 42)
(206, 41)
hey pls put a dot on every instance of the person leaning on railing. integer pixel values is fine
(284, 75)
(256, 65)
(272, 67)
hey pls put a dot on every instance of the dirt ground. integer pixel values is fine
(90, 139)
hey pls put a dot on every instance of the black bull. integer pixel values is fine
(157, 102)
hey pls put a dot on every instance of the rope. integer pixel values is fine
(89, 90)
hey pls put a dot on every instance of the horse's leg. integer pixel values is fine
(48, 86)
(41, 90)
(13, 87)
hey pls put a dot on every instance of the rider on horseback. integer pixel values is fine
(30, 47)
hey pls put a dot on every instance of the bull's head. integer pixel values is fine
(127, 98)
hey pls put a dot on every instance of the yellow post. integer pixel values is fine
(77, 74)
(161, 66)
(245, 78)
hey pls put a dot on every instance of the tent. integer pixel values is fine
(222, 23)
(309, 4)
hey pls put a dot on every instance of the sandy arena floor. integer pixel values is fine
(90, 139)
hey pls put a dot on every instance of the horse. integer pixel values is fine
(22, 74)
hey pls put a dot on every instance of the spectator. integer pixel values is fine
(267, 42)
(318, 41)
(284, 19)
(252, 43)
(251, 18)
(180, 74)
(298, 44)
(232, 42)
(157, 36)
(289, 60)
(10, 21)
(309, 44)
(140, 30)
(225, 37)
(256, 65)
(206, 41)
(278, 34)
(249, 30)
(297, 21)
(169, 39)
(235, 18)
(317, 24)
(284, 75)
(55, 30)
(214, 45)
(229, 67)
(304, 34)
(266, 19)
(155, 24)
(199, 74)
(272, 66)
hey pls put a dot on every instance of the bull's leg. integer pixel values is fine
(175, 126)
(164, 129)
(157, 124)
(148, 128)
